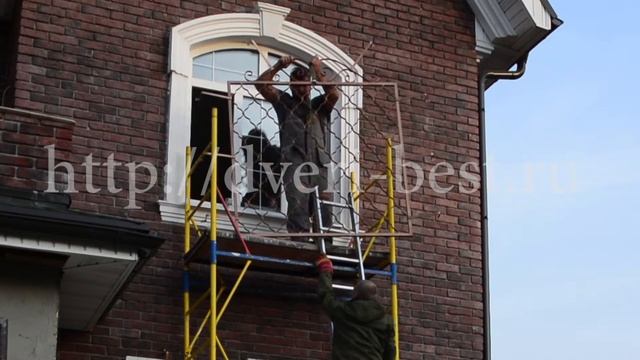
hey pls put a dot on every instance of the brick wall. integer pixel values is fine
(103, 63)
(24, 142)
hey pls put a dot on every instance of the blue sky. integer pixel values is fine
(564, 192)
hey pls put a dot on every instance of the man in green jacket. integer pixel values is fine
(361, 328)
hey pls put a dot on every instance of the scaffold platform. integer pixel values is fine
(281, 256)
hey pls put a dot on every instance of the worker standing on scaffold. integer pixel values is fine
(361, 328)
(303, 123)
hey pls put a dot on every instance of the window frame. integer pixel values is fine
(238, 97)
(237, 30)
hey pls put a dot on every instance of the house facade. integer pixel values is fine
(100, 99)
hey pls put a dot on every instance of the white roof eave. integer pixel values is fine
(492, 19)
(508, 30)
(92, 275)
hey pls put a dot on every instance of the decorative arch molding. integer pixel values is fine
(265, 28)
(268, 28)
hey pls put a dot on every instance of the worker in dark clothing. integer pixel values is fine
(262, 152)
(361, 328)
(303, 124)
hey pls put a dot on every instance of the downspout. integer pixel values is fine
(491, 75)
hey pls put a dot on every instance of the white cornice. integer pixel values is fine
(493, 20)
(274, 9)
(271, 19)
(506, 30)
(483, 45)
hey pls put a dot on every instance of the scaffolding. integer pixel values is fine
(237, 247)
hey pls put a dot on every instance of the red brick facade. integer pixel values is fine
(103, 64)
(23, 156)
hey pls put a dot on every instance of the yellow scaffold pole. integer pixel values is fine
(187, 246)
(213, 232)
(392, 247)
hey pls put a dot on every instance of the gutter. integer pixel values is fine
(490, 75)
(482, 86)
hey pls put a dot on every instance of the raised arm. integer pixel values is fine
(269, 92)
(331, 91)
(331, 305)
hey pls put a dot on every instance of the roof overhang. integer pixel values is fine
(101, 252)
(507, 30)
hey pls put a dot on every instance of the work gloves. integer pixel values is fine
(324, 265)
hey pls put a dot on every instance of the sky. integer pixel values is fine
(564, 192)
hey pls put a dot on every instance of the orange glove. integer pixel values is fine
(324, 264)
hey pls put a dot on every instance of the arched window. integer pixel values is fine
(208, 52)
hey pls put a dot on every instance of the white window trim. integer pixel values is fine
(268, 28)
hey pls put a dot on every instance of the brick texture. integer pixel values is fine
(103, 63)
(24, 143)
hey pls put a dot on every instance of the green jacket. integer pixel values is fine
(361, 329)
